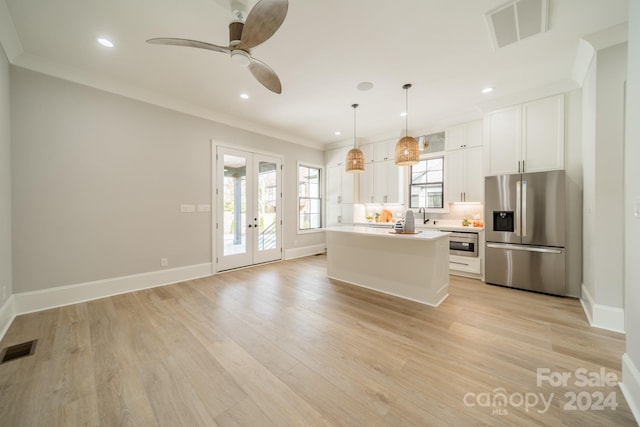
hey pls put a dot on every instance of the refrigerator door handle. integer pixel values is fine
(518, 206)
(524, 207)
(525, 248)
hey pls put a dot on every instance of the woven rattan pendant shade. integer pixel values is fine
(355, 161)
(355, 157)
(407, 149)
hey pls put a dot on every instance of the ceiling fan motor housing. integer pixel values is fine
(235, 33)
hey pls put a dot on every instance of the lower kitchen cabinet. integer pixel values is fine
(339, 213)
(465, 264)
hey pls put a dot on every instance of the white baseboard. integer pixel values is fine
(28, 302)
(602, 316)
(630, 385)
(7, 314)
(304, 251)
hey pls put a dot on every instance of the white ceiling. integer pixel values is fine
(321, 52)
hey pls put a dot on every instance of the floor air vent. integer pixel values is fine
(517, 20)
(17, 351)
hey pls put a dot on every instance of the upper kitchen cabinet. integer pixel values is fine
(381, 182)
(339, 185)
(337, 156)
(465, 135)
(464, 176)
(385, 150)
(525, 138)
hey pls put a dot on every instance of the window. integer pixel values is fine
(309, 198)
(426, 187)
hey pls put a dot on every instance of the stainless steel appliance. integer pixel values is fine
(525, 232)
(463, 243)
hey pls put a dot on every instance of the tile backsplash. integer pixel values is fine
(456, 211)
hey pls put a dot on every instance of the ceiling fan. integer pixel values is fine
(246, 32)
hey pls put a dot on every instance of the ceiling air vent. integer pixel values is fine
(517, 20)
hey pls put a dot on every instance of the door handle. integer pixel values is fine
(249, 226)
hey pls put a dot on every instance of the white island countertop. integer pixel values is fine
(386, 232)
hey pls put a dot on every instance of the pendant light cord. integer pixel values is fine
(354, 124)
(406, 108)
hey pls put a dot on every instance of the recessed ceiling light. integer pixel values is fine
(338, 133)
(244, 96)
(104, 42)
(364, 86)
(403, 114)
(487, 90)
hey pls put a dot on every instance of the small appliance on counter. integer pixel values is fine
(409, 222)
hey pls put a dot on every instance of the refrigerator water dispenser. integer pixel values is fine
(503, 221)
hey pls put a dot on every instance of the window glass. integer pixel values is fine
(309, 198)
(427, 184)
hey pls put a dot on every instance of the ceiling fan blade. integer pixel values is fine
(189, 43)
(262, 22)
(265, 75)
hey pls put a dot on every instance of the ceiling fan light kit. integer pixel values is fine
(407, 149)
(355, 157)
(261, 23)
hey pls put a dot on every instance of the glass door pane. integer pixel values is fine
(235, 205)
(267, 208)
(267, 198)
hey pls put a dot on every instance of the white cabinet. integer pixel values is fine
(464, 180)
(337, 156)
(387, 182)
(543, 134)
(339, 185)
(465, 135)
(385, 150)
(338, 213)
(525, 138)
(465, 264)
(366, 184)
(381, 182)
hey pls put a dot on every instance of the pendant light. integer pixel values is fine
(407, 150)
(355, 156)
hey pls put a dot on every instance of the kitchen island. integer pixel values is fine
(410, 266)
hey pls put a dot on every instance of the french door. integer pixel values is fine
(248, 207)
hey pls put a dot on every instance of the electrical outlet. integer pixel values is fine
(164, 262)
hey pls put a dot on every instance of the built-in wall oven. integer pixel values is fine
(463, 243)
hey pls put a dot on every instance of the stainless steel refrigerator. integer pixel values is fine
(525, 231)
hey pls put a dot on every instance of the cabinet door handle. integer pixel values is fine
(465, 196)
(371, 199)
(339, 219)
(385, 199)
(518, 166)
(339, 199)
(523, 166)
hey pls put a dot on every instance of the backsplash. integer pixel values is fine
(457, 211)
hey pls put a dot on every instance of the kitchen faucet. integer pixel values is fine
(424, 215)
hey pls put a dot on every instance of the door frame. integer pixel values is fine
(214, 196)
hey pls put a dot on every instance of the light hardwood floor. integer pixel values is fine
(282, 345)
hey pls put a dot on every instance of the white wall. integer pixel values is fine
(99, 178)
(603, 129)
(631, 360)
(573, 170)
(6, 277)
